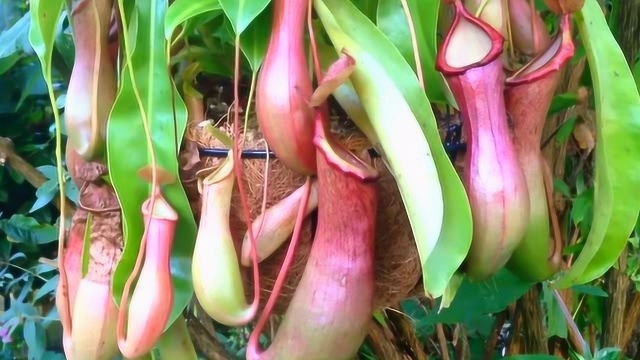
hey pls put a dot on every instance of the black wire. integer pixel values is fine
(452, 145)
(253, 154)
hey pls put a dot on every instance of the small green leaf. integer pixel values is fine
(565, 130)
(242, 12)
(582, 207)
(560, 186)
(589, 290)
(48, 288)
(45, 194)
(562, 102)
(27, 230)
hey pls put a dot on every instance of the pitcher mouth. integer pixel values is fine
(552, 59)
(470, 43)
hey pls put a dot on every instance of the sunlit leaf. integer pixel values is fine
(617, 153)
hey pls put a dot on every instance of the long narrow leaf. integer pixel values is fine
(127, 152)
(617, 150)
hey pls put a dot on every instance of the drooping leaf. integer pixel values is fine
(127, 150)
(44, 19)
(349, 29)
(35, 337)
(255, 39)
(183, 10)
(242, 12)
(617, 153)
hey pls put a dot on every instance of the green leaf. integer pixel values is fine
(255, 40)
(183, 10)
(589, 290)
(35, 338)
(127, 151)
(582, 207)
(48, 288)
(562, 102)
(617, 153)
(565, 130)
(392, 22)
(376, 59)
(478, 299)
(242, 12)
(27, 230)
(45, 194)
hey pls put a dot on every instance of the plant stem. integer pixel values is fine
(574, 333)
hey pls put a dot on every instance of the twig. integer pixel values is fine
(631, 317)
(9, 157)
(443, 342)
